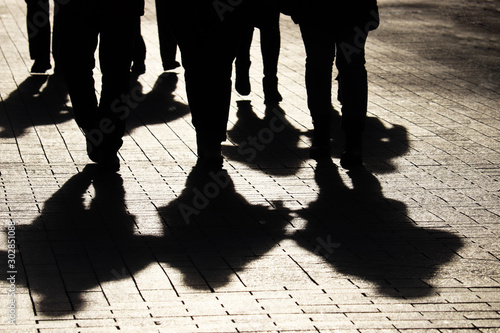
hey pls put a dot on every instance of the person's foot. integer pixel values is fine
(40, 67)
(351, 157)
(242, 84)
(170, 65)
(271, 93)
(138, 69)
(320, 151)
(351, 160)
(107, 159)
(210, 157)
(109, 163)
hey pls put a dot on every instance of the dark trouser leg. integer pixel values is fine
(242, 63)
(320, 50)
(78, 41)
(168, 44)
(56, 33)
(139, 51)
(270, 43)
(115, 55)
(208, 67)
(38, 24)
(354, 91)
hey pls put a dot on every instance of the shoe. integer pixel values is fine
(210, 156)
(351, 160)
(271, 93)
(40, 67)
(105, 156)
(318, 152)
(242, 84)
(138, 69)
(109, 163)
(351, 157)
(170, 65)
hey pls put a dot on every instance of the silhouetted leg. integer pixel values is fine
(115, 55)
(208, 68)
(320, 51)
(139, 52)
(242, 63)
(38, 23)
(78, 42)
(56, 32)
(270, 43)
(168, 44)
(353, 87)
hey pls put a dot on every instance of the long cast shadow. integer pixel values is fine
(85, 246)
(218, 230)
(81, 239)
(30, 105)
(361, 233)
(274, 145)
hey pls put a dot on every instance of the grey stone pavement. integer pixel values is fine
(281, 243)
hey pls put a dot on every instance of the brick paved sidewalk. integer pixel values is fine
(278, 242)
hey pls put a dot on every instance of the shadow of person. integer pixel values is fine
(382, 143)
(157, 106)
(80, 241)
(38, 100)
(212, 232)
(365, 235)
(270, 143)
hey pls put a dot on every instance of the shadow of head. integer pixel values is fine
(77, 242)
(216, 231)
(270, 143)
(363, 234)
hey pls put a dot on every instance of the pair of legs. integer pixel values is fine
(84, 28)
(267, 20)
(345, 46)
(38, 24)
(208, 44)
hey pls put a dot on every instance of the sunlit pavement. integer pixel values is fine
(279, 243)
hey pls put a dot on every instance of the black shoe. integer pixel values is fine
(139, 69)
(319, 152)
(209, 156)
(106, 157)
(242, 84)
(351, 160)
(170, 65)
(271, 93)
(109, 163)
(40, 67)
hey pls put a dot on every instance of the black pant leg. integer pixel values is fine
(79, 30)
(38, 23)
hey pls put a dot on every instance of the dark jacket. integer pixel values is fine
(338, 14)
